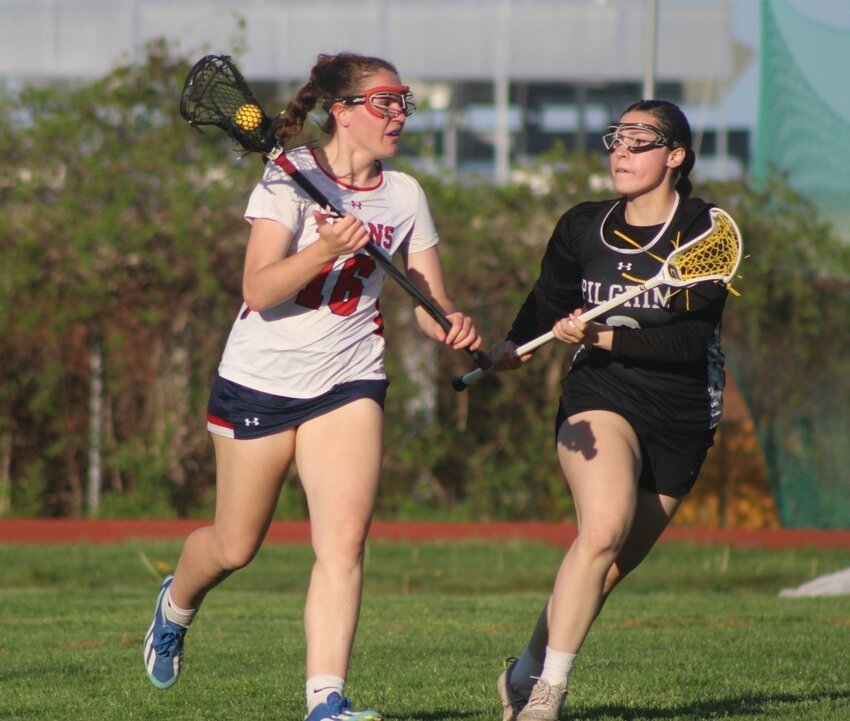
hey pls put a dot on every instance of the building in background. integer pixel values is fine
(497, 81)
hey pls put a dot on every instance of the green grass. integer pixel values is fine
(697, 633)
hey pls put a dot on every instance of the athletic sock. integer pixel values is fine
(320, 687)
(175, 614)
(526, 667)
(558, 665)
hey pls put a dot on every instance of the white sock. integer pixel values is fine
(320, 687)
(558, 666)
(526, 667)
(175, 614)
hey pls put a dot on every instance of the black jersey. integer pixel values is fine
(665, 364)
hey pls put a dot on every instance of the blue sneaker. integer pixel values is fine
(337, 708)
(163, 649)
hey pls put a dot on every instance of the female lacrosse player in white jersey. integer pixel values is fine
(643, 394)
(302, 376)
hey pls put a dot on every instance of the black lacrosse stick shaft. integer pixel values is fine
(480, 358)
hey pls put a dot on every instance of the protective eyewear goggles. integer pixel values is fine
(383, 102)
(636, 138)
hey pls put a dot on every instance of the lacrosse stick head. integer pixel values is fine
(215, 93)
(714, 255)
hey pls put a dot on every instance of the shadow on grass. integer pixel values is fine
(438, 715)
(721, 708)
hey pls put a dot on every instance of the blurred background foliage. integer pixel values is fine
(122, 242)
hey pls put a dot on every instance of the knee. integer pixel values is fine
(234, 554)
(341, 551)
(601, 544)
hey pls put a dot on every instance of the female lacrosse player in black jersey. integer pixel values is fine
(642, 398)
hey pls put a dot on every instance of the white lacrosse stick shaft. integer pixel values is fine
(723, 269)
(477, 374)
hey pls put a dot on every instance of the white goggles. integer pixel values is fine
(636, 138)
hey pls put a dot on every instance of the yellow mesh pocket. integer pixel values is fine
(716, 254)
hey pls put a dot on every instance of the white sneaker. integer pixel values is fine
(545, 701)
(513, 696)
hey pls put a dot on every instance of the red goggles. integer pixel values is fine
(383, 101)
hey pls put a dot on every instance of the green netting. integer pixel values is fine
(808, 466)
(804, 107)
(804, 129)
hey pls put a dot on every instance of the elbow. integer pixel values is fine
(254, 300)
(262, 299)
(691, 354)
(688, 350)
(694, 348)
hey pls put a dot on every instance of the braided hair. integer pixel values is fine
(332, 76)
(673, 123)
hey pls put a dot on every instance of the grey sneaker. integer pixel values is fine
(513, 696)
(545, 701)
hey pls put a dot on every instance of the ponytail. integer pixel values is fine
(304, 101)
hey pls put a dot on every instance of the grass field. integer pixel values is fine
(697, 633)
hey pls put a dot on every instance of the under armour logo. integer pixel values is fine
(252, 421)
(624, 266)
(357, 204)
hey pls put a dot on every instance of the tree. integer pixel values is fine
(121, 232)
(122, 248)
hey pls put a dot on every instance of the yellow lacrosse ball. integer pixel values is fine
(248, 117)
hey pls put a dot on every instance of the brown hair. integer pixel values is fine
(332, 76)
(674, 124)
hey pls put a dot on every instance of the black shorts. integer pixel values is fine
(671, 460)
(235, 411)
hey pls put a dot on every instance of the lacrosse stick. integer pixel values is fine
(215, 93)
(714, 255)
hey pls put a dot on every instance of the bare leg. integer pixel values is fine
(339, 459)
(600, 457)
(249, 476)
(654, 513)
(618, 524)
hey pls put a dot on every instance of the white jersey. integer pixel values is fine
(331, 331)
